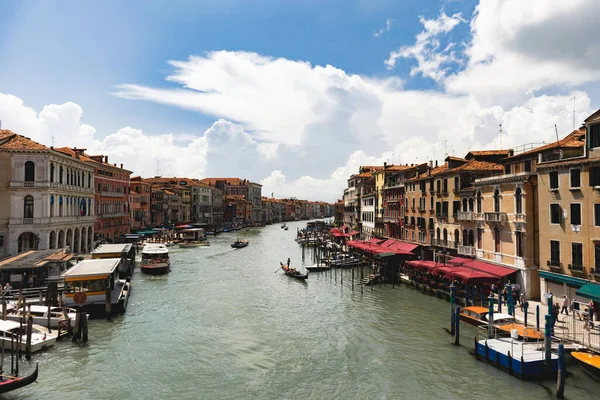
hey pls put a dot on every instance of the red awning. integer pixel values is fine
(375, 241)
(333, 231)
(479, 265)
(471, 276)
(423, 264)
(337, 234)
(351, 233)
(394, 244)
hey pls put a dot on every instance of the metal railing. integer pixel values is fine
(495, 216)
(465, 216)
(466, 250)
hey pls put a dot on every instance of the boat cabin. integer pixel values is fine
(90, 279)
(192, 234)
(474, 315)
(124, 251)
(155, 253)
(34, 268)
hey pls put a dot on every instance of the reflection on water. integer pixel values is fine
(227, 324)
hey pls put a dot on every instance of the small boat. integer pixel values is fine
(169, 244)
(239, 244)
(316, 268)
(226, 229)
(293, 273)
(478, 316)
(40, 338)
(193, 243)
(155, 259)
(10, 383)
(590, 363)
(210, 232)
(40, 315)
(285, 228)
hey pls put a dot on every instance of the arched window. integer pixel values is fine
(51, 205)
(456, 237)
(51, 172)
(60, 206)
(465, 238)
(479, 202)
(518, 201)
(89, 180)
(471, 204)
(496, 201)
(464, 205)
(413, 203)
(445, 235)
(60, 174)
(471, 238)
(29, 171)
(28, 207)
(438, 233)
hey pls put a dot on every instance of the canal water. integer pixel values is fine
(225, 325)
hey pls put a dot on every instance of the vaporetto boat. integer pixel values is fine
(155, 259)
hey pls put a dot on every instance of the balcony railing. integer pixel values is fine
(422, 209)
(466, 216)
(444, 243)
(111, 194)
(561, 154)
(554, 264)
(390, 219)
(577, 268)
(520, 218)
(466, 250)
(52, 220)
(495, 216)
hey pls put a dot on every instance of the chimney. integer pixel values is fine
(384, 164)
(436, 163)
(430, 163)
(121, 166)
(106, 159)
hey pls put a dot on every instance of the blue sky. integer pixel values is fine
(242, 87)
(57, 51)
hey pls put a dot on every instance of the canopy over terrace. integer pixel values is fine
(464, 275)
(373, 247)
(335, 232)
(482, 266)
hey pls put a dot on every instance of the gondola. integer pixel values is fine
(316, 268)
(10, 383)
(239, 244)
(293, 273)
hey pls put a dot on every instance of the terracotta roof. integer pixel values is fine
(504, 153)
(170, 193)
(12, 141)
(475, 165)
(229, 181)
(80, 154)
(574, 139)
(452, 158)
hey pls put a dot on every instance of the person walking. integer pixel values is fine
(565, 305)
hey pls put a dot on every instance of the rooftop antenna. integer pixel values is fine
(556, 131)
(157, 168)
(574, 102)
(500, 136)
(445, 148)
(52, 141)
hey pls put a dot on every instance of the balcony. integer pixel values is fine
(52, 220)
(495, 216)
(466, 250)
(444, 243)
(465, 216)
(422, 209)
(111, 194)
(388, 218)
(441, 216)
(46, 185)
(554, 265)
(520, 218)
(561, 154)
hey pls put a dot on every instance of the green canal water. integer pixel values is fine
(224, 325)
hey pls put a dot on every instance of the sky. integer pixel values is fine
(295, 95)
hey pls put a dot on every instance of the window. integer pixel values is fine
(455, 208)
(528, 166)
(439, 186)
(445, 235)
(575, 178)
(555, 213)
(518, 201)
(431, 203)
(60, 174)
(464, 205)
(51, 172)
(456, 238)
(471, 204)
(471, 238)
(575, 213)
(1, 241)
(596, 257)
(479, 202)
(29, 171)
(553, 180)
(596, 214)
(456, 184)
(480, 238)
(28, 207)
(507, 169)
(497, 234)
(444, 208)
(554, 252)
(496, 201)
(519, 244)
(445, 187)
(438, 208)
(594, 176)
(594, 136)
(577, 255)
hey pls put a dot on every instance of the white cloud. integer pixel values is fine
(386, 28)
(426, 50)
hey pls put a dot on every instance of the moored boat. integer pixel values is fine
(590, 362)
(478, 316)
(238, 244)
(155, 259)
(474, 315)
(40, 338)
(193, 243)
(10, 383)
(317, 268)
(40, 315)
(293, 273)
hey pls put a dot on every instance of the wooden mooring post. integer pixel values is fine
(28, 340)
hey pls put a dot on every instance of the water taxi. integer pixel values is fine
(40, 338)
(96, 284)
(155, 259)
(238, 244)
(40, 315)
(590, 362)
(478, 316)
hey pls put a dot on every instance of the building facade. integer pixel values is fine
(46, 198)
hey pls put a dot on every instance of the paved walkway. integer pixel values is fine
(572, 328)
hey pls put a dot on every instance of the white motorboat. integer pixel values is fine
(155, 259)
(40, 338)
(40, 315)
